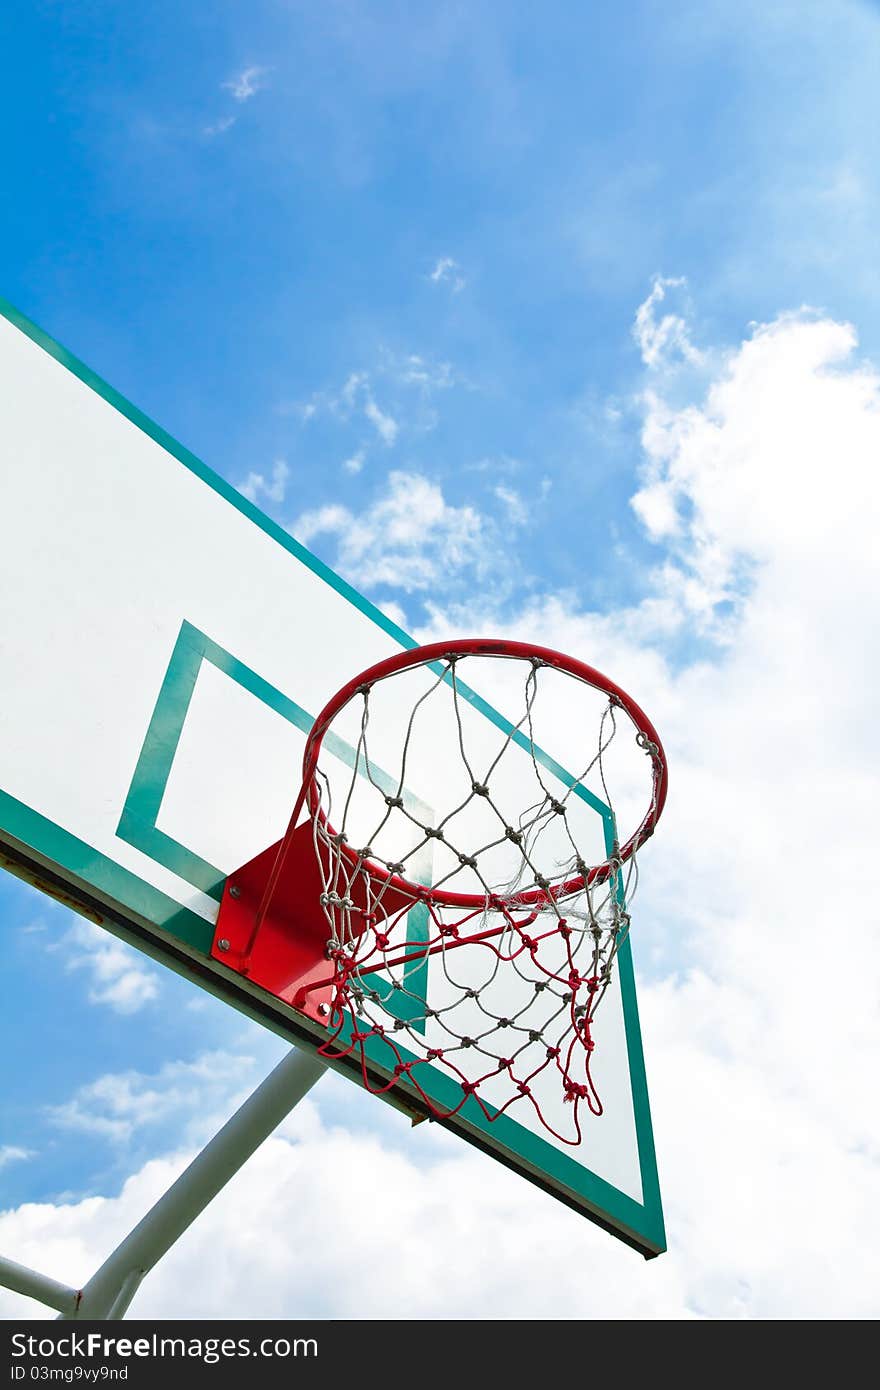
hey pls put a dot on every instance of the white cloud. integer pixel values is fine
(515, 508)
(661, 340)
(355, 462)
(385, 425)
(118, 975)
(353, 385)
(332, 519)
(754, 920)
(406, 1207)
(247, 83)
(36, 928)
(397, 392)
(118, 1104)
(414, 370)
(410, 537)
(275, 489)
(446, 271)
(12, 1153)
(355, 397)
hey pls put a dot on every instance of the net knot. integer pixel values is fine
(394, 801)
(332, 899)
(468, 859)
(382, 940)
(523, 1088)
(433, 833)
(557, 807)
(574, 1092)
(514, 835)
(552, 1052)
(433, 1053)
(469, 1087)
(479, 789)
(448, 930)
(646, 745)
(575, 980)
(403, 1068)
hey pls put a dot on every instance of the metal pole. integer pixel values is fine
(111, 1288)
(33, 1285)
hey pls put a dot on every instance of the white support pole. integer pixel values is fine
(111, 1289)
(33, 1285)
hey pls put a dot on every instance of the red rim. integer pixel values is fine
(478, 646)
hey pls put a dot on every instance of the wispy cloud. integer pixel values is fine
(11, 1153)
(395, 395)
(413, 370)
(35, 928)
(355, 462)
(219, 127)
(515, 508)
(355, 398)
(256, 485)
(410, 537)
(118, 975)
(385, 425)
(118, 1104)
(247, 83)
(663, 338)
(447, 272)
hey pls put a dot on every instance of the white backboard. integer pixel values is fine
(164, 648)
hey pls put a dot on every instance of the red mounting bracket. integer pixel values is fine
(288, 952)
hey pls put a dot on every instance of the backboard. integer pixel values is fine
(164, 647)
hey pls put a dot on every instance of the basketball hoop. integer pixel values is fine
(516, 909)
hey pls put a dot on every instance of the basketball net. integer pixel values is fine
(549, 929)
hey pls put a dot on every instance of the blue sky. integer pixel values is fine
(330, 247)
(218, 278)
